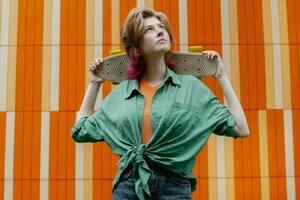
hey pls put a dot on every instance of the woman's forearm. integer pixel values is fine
(234, 106)
(88, 103)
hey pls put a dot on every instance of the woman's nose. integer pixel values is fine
(160, 32)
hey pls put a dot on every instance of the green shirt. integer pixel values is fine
(184, 112)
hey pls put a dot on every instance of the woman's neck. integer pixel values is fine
(155, 69)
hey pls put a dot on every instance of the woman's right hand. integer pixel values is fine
(93, 69)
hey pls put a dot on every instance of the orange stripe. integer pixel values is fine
(192, 36)
(2, 152)
(255, 157)
(192, 40)
(260, 54)
(106, 41)
(81, 65)
(70, 157)
(276, 154)
(64, 55)
(251, 58)
(38, 56)
(246, 154)
(243, 52)
(18, 156)
(62, 156)
(294, 63)
(26, 164)
(280, 154)
(35, 149)
(21, 52)
(196, 36)
(272, 154)
(203, 174)
(72, 57)
(296, 130)
(53, 157)
(239, 168)
(296, 94)
(217, 41)
(97, 171)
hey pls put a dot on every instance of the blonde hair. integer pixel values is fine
(133, 27)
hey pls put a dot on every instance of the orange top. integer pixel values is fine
(148, 91)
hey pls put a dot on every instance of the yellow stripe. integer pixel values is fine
(229, 165)
(88, 171)
(268, 54)
(149, 4)
(234, 49)
(115, 26)
(47, 53)
(212, 169)
(263, 146)
(285, 55)
(12, 55)
(98, 35)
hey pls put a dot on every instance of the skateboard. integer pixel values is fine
(187, 63)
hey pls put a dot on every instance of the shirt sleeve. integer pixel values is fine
(88, 129)
(225, 122)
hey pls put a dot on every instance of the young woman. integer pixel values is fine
(157, 121)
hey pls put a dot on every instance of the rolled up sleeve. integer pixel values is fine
(225, 122)
(87, 129)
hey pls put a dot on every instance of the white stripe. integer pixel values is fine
(276, 53)
(4, 23)
(183, 36)
(98, 41)
(140, 3)
(289, 154)
(54, 80)
(221, 171)
(225, 36)
(9, 155)
(4, 52)
(79, 171)
(98, 27)
(44, 166)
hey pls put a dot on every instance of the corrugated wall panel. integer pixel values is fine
(47, 45)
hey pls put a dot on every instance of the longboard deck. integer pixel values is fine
(114, 67)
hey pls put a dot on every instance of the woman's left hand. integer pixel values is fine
(214, 55)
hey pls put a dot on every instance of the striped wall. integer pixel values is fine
(46, 46)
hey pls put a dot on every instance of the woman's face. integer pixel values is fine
(155, 39)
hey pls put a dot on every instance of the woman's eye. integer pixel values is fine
(148, 29)
(162, 26)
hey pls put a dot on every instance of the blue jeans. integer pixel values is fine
(162, 185)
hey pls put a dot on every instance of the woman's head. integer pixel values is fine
(139, 25)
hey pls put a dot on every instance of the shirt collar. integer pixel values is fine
(133, 85)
